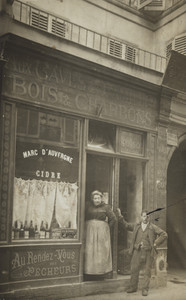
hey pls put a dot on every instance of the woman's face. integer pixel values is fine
(97, 200)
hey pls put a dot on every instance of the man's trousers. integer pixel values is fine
(141, 259)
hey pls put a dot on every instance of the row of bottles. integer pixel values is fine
(30, 231)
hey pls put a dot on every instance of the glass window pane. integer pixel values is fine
(33, 123)
(99, 176)
(45, 187)
(101, 136)
(50, 127)
(22, 121)
(70, 131)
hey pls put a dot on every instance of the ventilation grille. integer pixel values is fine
(39, 20)
(58, 28)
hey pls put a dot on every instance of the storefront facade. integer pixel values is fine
(67, 129)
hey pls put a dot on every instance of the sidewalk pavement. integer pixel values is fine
(175, 290)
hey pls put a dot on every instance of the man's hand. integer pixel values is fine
(119, 212)
(155, 248)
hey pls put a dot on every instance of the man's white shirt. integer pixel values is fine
(144, 226)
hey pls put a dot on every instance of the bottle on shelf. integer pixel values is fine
(47, 232)
(21, 231)
(31, 231)
(13, 231)
(37, 235)
(16, 231)
(42, 230)
(26, 230)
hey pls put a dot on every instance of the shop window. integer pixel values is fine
(101, 136)
(47, 127)
(50, 127)
(27, 122)
(46, 176)
(131, 142)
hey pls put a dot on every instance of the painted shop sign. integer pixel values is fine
(131, 142)
(46, 162)
(55, 85)
(49, 152)
(50, 263)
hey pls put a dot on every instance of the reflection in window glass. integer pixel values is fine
(33, 123)
(46, 176)
(99, 176)
(101, 136)
(22, 121)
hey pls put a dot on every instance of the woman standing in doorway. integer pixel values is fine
(99, 220)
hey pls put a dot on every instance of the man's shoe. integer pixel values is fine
(144, 292)
(131, 290)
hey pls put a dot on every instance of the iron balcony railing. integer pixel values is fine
(44, 21)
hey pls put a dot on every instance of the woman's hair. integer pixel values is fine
(96, 192)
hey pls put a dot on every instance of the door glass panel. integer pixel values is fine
(99, 176)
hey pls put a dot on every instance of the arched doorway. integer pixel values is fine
(176, 208)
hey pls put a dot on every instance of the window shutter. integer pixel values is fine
(168, 49)
(178, 44)
(115, 48)
(157, 4)
(124, 51)
(39, 19)
(58, 27)
(152, 5)
(130, 53)
(143, 3)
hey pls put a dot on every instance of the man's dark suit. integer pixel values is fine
(142, 249)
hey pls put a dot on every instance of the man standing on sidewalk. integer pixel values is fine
(146, 237)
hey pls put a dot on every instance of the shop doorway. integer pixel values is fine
(130, 204)
(99, 176)
(176, 208)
